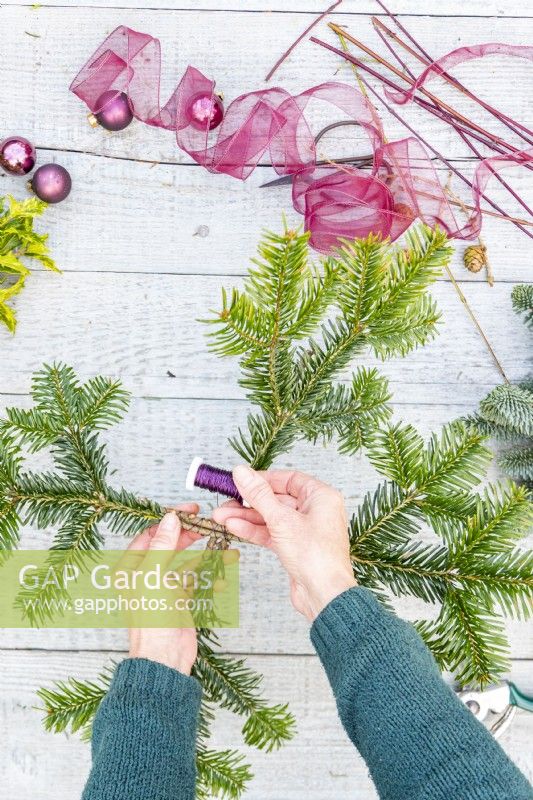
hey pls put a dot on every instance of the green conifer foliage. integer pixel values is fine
(19, 241)
(506, 413)
(373, 296)
(296, 328)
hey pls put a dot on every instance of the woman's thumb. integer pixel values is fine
(256, 491)
(167, 534)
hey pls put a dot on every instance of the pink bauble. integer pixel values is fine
(205, 111)
(51, 183)
(113, 110)
(17, 155)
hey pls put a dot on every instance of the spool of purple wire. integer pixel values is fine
(214, 479)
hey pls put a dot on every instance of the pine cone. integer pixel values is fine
(475, 257)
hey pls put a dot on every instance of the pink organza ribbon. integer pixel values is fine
(459, 56)
(336, 201)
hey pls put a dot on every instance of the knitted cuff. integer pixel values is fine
(354, 615)
(139, 680)
(354, 633)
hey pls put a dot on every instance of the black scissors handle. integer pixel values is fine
(360, 161)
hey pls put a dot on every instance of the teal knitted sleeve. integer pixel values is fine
(417, 738)
(144, 735)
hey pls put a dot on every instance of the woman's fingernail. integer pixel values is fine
(233, 524)
(169, 522)
(243, 474)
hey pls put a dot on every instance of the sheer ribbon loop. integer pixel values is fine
(458, 56)
(338, 200)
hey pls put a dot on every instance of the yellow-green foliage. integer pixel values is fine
(19, 241)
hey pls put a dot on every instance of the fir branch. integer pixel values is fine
(397, 453)
(18, 240)
(454, 462)
(501, 516)
(221, 773)
(352, 413)
(510, 407)
(71, 704)
(10, 523)
(431, 483)
(477, 567)
(66, 418)
(505, 579)
(378, 295)
(472, 642)
(419, 570)
(233, 685)
(77, 499)
(296, 327)
(269, 728)
(9, 527)
(491, 429)
(388, 515)
(518, 463)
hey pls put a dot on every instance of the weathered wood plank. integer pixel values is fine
(63, 39)
(141, 327)
(125, 216)
(320, 758)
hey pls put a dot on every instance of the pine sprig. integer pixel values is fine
(18, 242)
(227, 682)
(70, 705)
(231, 684)
(476, 573)
(221, 773)
(472, 642)
(518, 464)
(509, 407)
(353, 413)
(375, 297)
(76, 499)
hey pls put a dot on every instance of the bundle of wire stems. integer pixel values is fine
(468, 130)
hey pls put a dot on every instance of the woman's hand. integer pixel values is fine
(174, 647)
(304, 522)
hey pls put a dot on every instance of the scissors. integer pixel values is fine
(360, 161)
(497, 705)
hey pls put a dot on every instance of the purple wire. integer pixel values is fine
(395, 114)
(219, 481)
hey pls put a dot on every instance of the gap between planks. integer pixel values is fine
(340, 11)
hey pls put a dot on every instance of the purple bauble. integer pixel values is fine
(115, 112)
(17, 155)
(205, 110)
(51, 183)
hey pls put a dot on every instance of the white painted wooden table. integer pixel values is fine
(135, 278)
